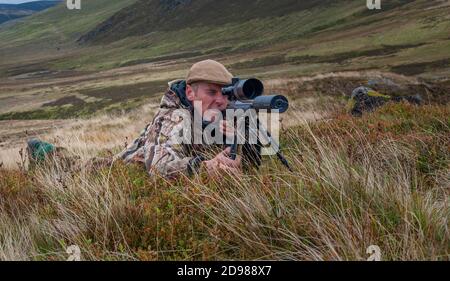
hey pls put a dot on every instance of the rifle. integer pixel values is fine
(247, 94)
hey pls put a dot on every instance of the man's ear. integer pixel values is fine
(190, 95)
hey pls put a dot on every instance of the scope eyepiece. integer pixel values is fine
(244, 89)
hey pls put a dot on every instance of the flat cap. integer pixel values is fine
(209, 71)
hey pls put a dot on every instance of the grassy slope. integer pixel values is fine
(12, 11)
(379, 180)
(233, 37)
(68, 23)
(328, 30)
(55, 27)
(412, 39)
(325, 30)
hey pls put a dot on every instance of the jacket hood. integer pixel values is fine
(175, 96)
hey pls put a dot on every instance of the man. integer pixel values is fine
(158, 147)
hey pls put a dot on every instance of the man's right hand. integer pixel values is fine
(223, 162)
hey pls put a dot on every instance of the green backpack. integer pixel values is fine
(38, 150)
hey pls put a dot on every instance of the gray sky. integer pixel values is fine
(15, 1)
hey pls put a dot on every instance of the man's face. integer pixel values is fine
(209, 94)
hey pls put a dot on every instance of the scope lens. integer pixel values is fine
(252, 88)
(280, 103)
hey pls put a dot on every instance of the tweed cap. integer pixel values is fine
(209, 71)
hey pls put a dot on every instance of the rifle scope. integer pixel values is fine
(275, 102)
(243, 89)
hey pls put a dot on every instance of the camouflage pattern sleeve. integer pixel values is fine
(164, 152)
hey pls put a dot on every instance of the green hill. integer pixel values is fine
(14, 11)
(127, 50)
(57, 27)
(147, 16)
(333, 35)
(60, 21)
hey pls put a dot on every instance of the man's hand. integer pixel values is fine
(222, 162)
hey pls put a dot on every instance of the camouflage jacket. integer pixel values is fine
(157, 148)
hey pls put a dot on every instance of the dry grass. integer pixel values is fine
(82, 137)
(383, 180)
